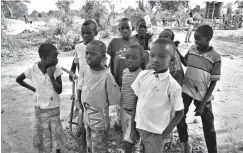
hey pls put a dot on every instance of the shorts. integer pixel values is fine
(97, 140)
(48, 131)
(126, 125)
(152, 143)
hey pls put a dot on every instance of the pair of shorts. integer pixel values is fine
(152, 142)
(48, 131)
(97, 140)
(126, 125)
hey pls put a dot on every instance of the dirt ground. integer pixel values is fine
(17, 102)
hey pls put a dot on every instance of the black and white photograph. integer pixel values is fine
(121, 76)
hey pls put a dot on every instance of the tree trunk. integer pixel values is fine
(10, 11)
(98, 22)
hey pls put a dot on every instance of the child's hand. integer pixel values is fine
(200, 109)
(50, 70)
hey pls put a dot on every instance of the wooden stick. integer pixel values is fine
(70, 73)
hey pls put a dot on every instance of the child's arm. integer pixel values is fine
(79, 99)
(20, 80)
(209, 92)
(179, 77)
(182, 58)
(133, 134)
(112, 90)
(215, 76)
(57, 83)
(176, 119)
(110, 53)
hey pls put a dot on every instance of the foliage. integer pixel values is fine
(34, 14)
(239, 3)
(96, 10)
(63, 31)
(64, 6)
(14, 9)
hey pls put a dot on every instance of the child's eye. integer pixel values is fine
(151, 55)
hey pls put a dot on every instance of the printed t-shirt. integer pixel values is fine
(117, 49)
(99, 91)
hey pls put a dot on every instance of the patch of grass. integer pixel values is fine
(231, 38)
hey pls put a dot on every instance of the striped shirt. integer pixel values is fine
(127, 94)
(201, 70)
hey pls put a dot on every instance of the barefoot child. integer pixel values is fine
(134, 58)
(45, 76)
(157, 93)
(117, 49)
(203, 71)
(98, 91)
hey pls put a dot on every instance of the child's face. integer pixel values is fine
(51, 59)
(141, 28)
(88, 33)
(93, 55)
(200, 40)
(160, 56)
(133, 59)
(166, 35)
(125, 28)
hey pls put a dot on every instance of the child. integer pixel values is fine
(190, 27)
(98, 91)
(134, 58)
(203, 71)
(176, 69)
(117, 49)
(157, 93)
(47, 85)
(88, 32)
(142, 37)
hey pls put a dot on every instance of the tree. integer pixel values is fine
(228, 6)
(34, 14)
(239, 3)
(96, 10)
(64, 5)
(14, 9)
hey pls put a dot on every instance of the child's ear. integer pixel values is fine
(133, 28)
(172, 60)
(119, 29)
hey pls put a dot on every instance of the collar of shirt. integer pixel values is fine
(161, 76)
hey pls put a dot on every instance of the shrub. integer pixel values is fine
(104, 34)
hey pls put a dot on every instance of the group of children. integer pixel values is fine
(150, 87)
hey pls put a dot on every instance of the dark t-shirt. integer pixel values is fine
(116, 50)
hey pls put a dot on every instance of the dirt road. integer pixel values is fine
(17, 103)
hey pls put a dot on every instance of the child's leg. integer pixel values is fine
(152, 143)
(182, 126)
(128, 147)
(99, 141)
(208, 127)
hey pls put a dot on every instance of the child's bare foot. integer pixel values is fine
(75, 113)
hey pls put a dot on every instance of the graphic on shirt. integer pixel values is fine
(120, 54)
(92, 112)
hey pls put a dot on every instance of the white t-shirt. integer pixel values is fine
(157, 96)
(45, 95)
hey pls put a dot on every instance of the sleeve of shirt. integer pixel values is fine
(58, 72)
(216, 71)
(76, 56)
(81, 78)
(110, 48)
(112, 90)
(136, 84)
(28, 73)
(175, 92)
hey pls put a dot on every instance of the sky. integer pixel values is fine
(46, 5)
